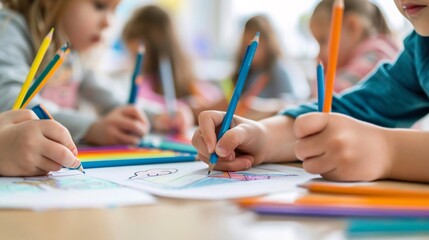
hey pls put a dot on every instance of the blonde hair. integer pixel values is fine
(41, 17)
(153, 26)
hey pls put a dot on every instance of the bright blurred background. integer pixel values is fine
(210, 29)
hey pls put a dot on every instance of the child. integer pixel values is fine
(365, 40)
(23, 26)
(30, 147)
(152, 27)
(337, 146)
(269, 82)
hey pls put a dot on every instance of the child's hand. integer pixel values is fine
(240, 148)
(182, 121)
(30, 147)
(341, 148)
(123, 125)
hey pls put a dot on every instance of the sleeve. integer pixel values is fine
(391, 97)
(97, 94)
(16, 55)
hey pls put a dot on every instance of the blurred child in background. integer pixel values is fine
(270, 81)
(152, 27)
(365, 40)
(24, 24)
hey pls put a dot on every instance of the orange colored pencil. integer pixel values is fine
(334, 43)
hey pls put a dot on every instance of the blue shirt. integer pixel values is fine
(395, 95)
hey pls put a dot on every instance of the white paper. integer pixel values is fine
(66, 189)
(190, 180)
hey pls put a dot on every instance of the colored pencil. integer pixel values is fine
(47, 73)
(334, 43)
(242, 76)
(137, 72)
(166, 74)
(320, 86)
(33, 69)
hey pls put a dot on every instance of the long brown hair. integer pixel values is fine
(363, 8)
(152, 25)
(259, 23)
(41, 17)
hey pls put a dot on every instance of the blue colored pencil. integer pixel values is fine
(320, 86)
(242, 76)
(137, 71)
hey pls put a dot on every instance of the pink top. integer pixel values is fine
(63, 87)
(364, 59)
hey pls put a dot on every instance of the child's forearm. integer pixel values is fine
(280, 147)
(410, 155)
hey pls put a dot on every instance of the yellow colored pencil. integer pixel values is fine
(33, 69)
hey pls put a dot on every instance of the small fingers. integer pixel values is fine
(310, 147)
(57, 133)
(48, 165)
(120, 137)
(309, 124)
(319, 165)
(59, 153)
(208, 121)
(240, 163)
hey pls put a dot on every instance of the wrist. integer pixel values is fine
(279, 131)
(391, 148)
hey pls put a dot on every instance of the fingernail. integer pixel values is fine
(209, 148)
(76, 163)
(221, 151)
(75, 152)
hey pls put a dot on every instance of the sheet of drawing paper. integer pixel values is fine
(66, 189)
(190, 180)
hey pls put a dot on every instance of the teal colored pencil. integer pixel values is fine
(242, 76)
(44, 73)
(390, 226)
(137, 71)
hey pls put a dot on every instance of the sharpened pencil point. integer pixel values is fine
(208, 173)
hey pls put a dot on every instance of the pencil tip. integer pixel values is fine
(51, 33)
(339, 3)
(209, 172)
(141, 48)
(256, 38)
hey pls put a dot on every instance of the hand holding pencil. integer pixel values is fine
(240, 148)
(30, 147)
(122, 126)
(54, 153)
